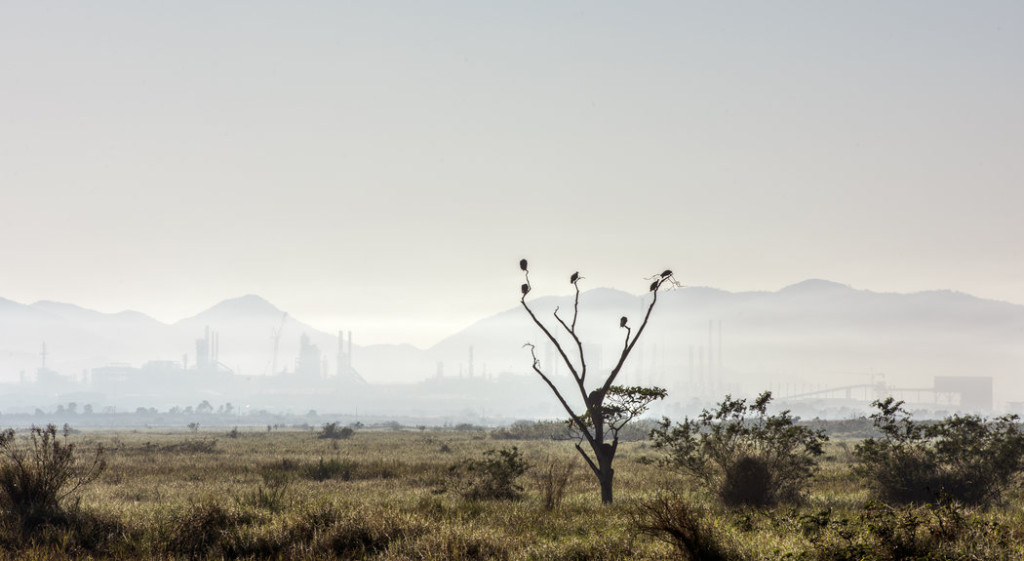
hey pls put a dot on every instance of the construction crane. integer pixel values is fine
(277, 340)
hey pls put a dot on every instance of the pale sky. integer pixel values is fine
(383, 166)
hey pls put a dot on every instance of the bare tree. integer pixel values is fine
(609, 407)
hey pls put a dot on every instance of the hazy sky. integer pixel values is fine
(382, 166)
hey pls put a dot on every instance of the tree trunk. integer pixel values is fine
(605, 472)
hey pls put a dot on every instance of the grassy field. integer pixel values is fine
(391, 494)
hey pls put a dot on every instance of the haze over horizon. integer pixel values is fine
(259, 302)
(381, 168)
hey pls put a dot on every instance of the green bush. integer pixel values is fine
(493, 477)
(879, 532)
(963, 458)
(37, 478)
(334, 431)
(745, 455)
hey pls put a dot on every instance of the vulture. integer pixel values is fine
(522, 264)
(526, 288)
(622, 322)
(575, 277)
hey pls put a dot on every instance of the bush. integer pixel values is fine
(756, 461)
(335, 432)
(35, 480)
(883, 533)
(493, 477)
(963, 458)
(688, 529)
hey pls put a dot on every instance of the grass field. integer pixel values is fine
(390, 494)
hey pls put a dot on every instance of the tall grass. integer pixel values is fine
(376, 497)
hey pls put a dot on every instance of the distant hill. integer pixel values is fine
(815, 332)
(810, 334)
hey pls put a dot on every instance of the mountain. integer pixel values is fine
(699, 339)
(810, 334)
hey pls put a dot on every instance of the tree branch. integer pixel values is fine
(593, 466)
(565, 405)
(629, 347)
(554, 341)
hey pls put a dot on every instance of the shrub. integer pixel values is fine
(334, 431)
(963, 458)
(746, 456)
(35, 480)
(881, 532)
(493, 477)
(688, 529)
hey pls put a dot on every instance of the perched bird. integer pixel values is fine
(526, 288)
(622, 322)
(522, 264)
(575, 277)
(654, 286)
(666, 273)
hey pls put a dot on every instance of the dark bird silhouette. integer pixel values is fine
(575, 277)
(522, 264)
(654, 285)
(666, 273)
(526, 288)
(622, 322)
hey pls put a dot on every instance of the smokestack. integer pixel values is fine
(349, 357)
(700, 361)
(341, 353)
(711, 351)
(719, 346)
(693, 372)
(471, 361)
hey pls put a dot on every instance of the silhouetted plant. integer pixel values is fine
(745, 455)
(35, 479)
(607, 408)
(963, 458)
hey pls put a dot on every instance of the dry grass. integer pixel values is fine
(380, 495)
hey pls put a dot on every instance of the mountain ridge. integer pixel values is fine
(813, 325)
